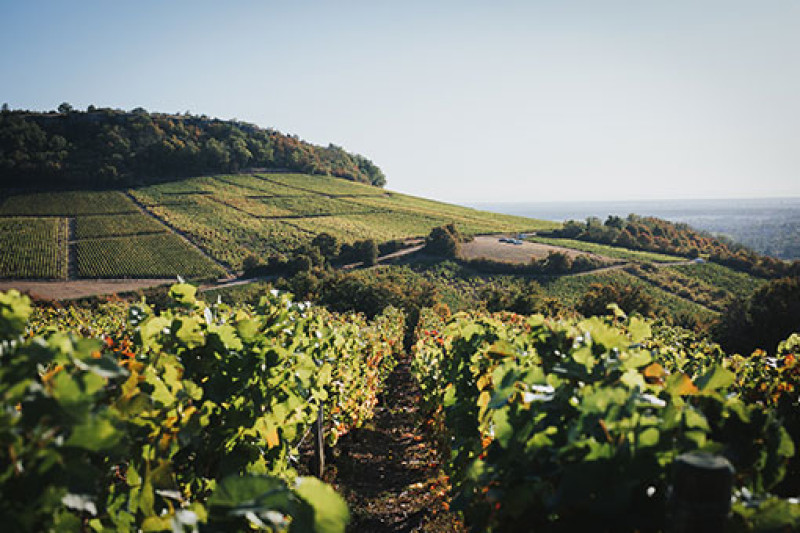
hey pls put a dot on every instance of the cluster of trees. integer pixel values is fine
(768, 316)
(629, 298)
(108, 147)
(656, 235)
(323, 252)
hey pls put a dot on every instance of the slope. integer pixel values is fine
(200, 227)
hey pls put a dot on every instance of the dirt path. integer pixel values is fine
(389, 470)
(80, 288)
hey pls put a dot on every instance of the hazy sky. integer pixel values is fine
(455, 100)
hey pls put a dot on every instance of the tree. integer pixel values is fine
(366, 251)
(65, 108)
(769, 316)
(327, 244)
(630, 298)
(557, 263)
(443, 241)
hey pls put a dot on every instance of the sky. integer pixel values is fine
(461, 101)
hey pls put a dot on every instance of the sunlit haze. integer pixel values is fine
(459, 101)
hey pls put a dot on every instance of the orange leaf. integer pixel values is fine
(685, 386)
(654, 371)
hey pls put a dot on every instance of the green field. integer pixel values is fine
(33, 248)
(616, 252)
(147, 256)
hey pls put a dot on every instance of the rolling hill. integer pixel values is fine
(205, 227)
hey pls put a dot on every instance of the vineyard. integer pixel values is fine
(233, 216)
(192, 415)
(572, 426)
(67, 203)
(116, 226)
(161, 255)
(197, 415)
(33, 248)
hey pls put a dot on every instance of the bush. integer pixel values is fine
(630, 298)
(443, 241)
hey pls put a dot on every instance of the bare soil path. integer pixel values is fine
(389, 469)
(80, 288)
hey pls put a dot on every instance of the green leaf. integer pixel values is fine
(95, 434)
(639, 329)
(330, 512)
(785, 445)
(503, 430)
(14, 312)
(183, 293)
(227, 336)
(716, 378)
(188, 330)
(150, 330)
(649, 437)
(249, 491)
(636, 359)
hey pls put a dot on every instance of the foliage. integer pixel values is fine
(572, 425)
(630, 298)
(763, 320)
(656, 235)
(145, 420)
(443, 241)
(111, 147)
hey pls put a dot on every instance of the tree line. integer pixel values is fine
(104, 147)
(656, 235)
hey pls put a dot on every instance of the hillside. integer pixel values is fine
(206, 226)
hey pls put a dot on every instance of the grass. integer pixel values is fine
(616, 252)
(33, 248)
(146, 256)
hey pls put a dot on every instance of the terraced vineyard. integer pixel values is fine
(116, 225)
(67, 203)
(233, 216)
(227, 217)
(142, 256)
(112, 238)
(33, 248)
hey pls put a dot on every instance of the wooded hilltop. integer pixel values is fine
(104, 147)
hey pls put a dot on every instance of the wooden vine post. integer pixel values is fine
(701, 493)
(319, 443)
